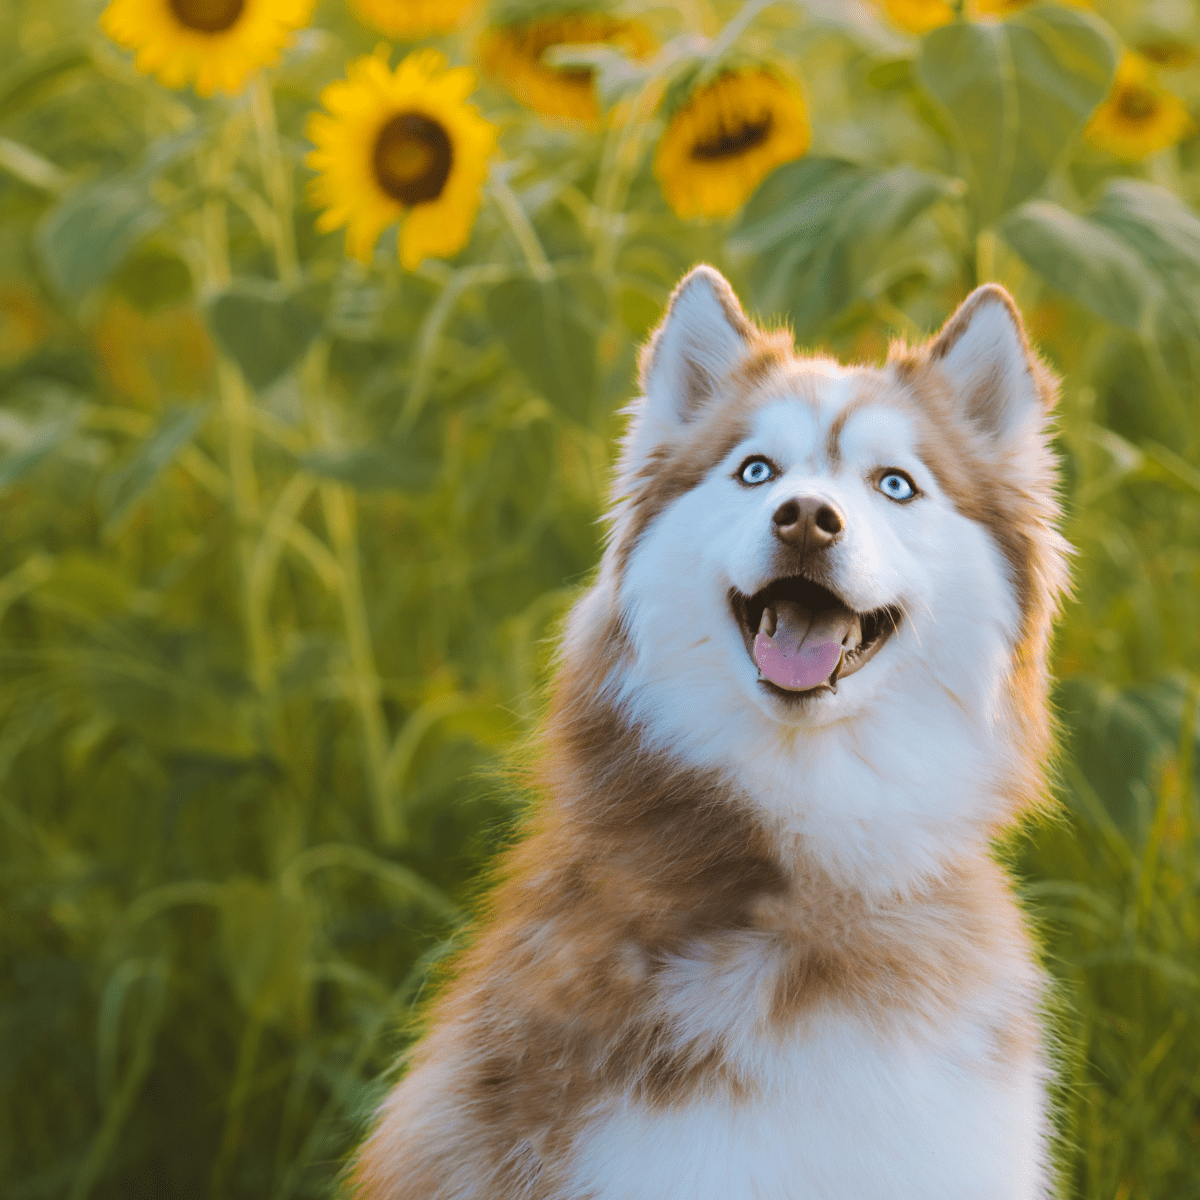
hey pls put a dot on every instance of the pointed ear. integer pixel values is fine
(999, 384)
(699, 341)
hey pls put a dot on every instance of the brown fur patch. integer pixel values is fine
(922, 951)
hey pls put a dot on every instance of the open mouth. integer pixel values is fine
(803, 638)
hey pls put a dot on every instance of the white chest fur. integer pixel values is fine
(843, 1115)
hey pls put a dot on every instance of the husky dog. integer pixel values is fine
(753, 944)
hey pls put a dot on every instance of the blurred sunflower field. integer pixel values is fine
(315, 327)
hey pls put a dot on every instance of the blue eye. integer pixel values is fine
(896, 486)
(757, 470)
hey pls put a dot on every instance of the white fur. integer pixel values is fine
(846, 1115)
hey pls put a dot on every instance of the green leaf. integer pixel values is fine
(29, 82)
(123, 490)
(1084, 260)
(1159, 226)
(1165, 233)
(87, 235)
(393, 466)
(265, 939)
(153, 278)
(818, 229)
(264, 329)
(35, 444)
(549, 338)
(1016, 94)
(1135, 260)
(893, 76)
(88, 586)
(89, 232)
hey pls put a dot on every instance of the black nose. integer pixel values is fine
(808, 523)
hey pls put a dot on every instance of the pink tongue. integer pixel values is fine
(806, 647)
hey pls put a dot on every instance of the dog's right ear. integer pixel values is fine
(699, 342)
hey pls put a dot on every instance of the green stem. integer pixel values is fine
(236, 409)
(340, 511)
(455, 284)
(276, 178)
(239, 1092)
(617, 171)
(522, 230)
(119, 1108)
(746, 15)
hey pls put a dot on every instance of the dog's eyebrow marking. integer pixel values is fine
(833, 439)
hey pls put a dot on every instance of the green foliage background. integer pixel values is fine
(284, 540)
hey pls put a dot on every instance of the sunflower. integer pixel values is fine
(411, 18)
(920, 16)
(515, 55)
(400, 145)
(211, 44)
(1175, 56)
(725, 138)
(1139, 117)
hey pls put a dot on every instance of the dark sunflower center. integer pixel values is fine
(207, 16)
(731, 140)
(576, 77)
(412, 158)
(1137, 104)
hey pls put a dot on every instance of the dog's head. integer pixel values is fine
(799, 547)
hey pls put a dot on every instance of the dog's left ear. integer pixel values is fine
(701, 339)
(999, 385)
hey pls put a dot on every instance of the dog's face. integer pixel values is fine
(800, 543)
(818, 565)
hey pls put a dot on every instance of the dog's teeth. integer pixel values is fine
(853, 637)
(767, 623)
(833, 678)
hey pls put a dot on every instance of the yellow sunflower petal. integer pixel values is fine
(400, 145)
(919, 16)
(1139, 117)
(726, 138)
(515, 55)
(213, 44)
(411, 18)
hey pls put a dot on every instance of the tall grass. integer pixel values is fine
(272, 613)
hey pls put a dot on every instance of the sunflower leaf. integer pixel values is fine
(1165, 234)
(1015, 95)
(266, 330)
(88, 234)
(1135, 260)
(1082, 259)
(817, 229)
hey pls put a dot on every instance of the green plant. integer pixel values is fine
(286, 537)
